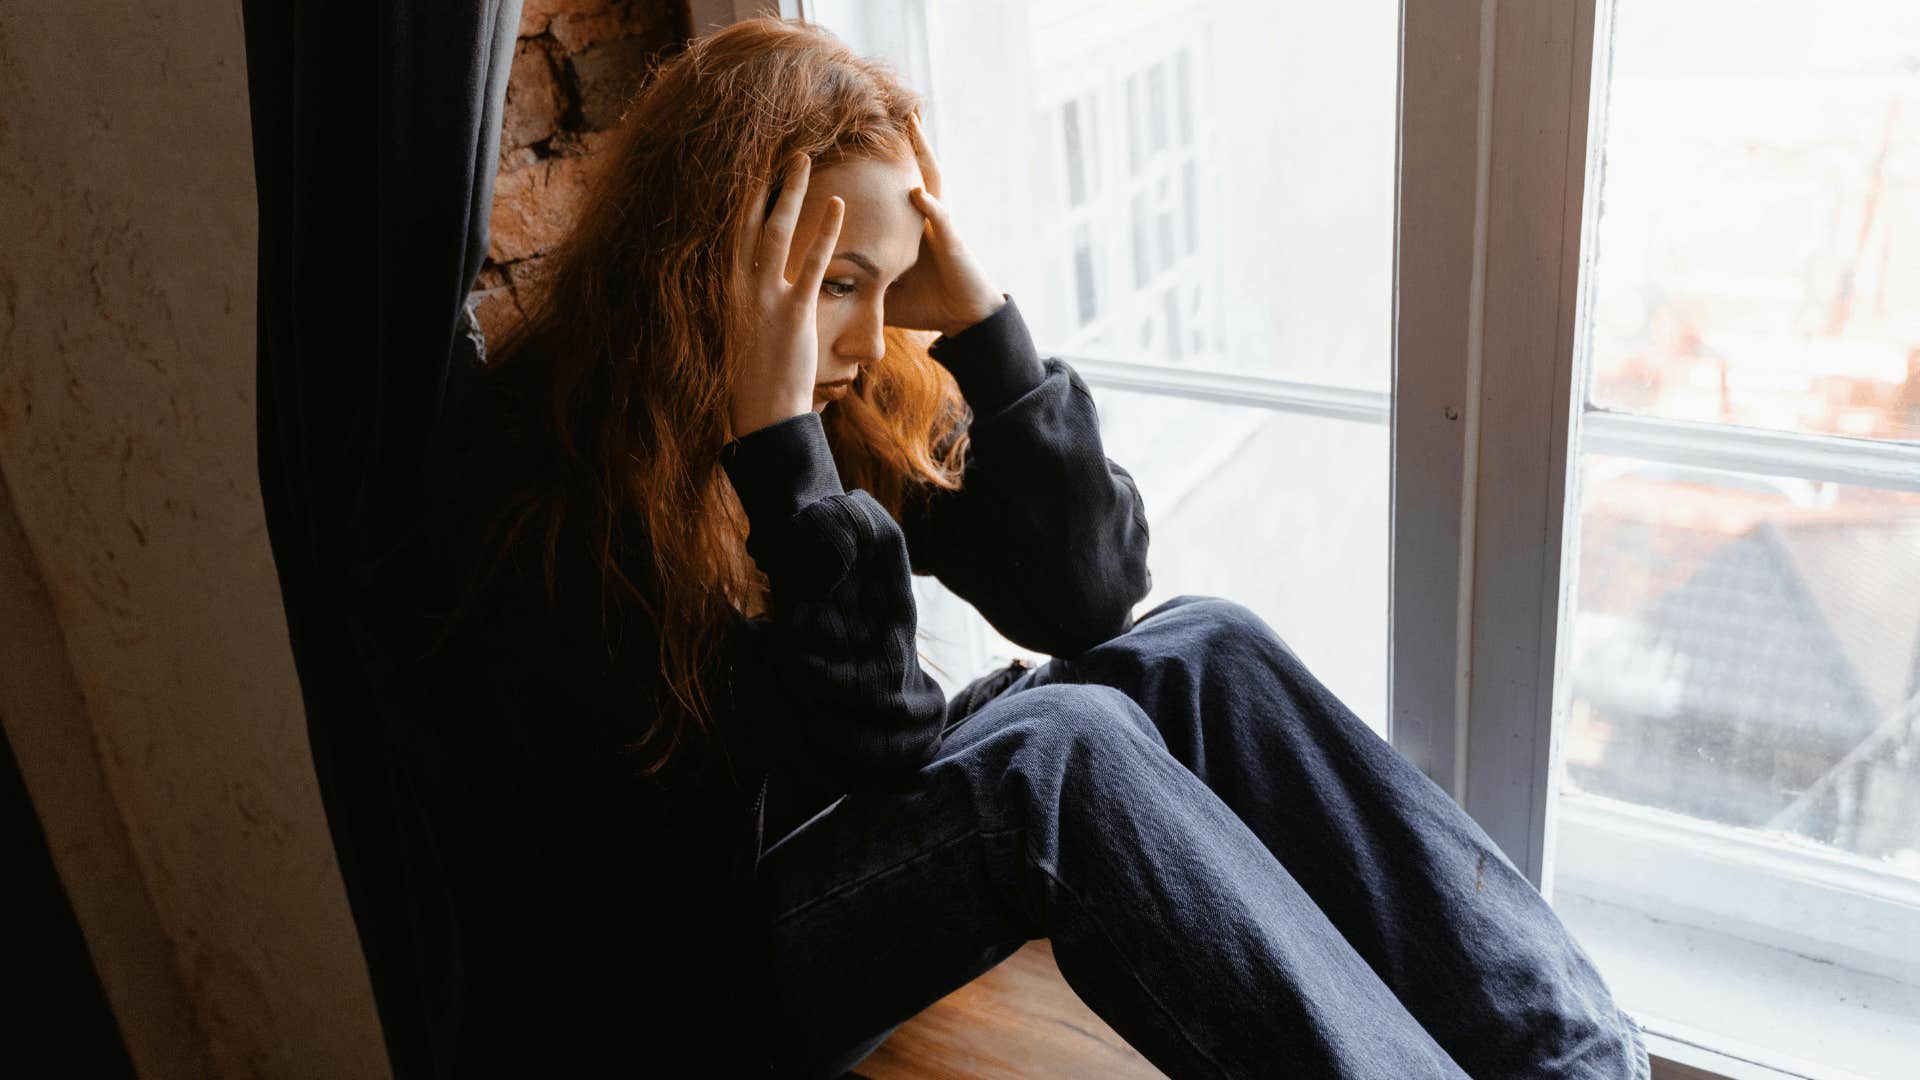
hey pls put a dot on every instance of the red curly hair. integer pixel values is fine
(621, 361)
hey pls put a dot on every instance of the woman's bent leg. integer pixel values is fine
(1057, 812)
(1408, 878)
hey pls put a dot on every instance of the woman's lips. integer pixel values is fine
(833, 390)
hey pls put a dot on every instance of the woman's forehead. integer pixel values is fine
(881, 220)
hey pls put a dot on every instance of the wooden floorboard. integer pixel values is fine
(1019, 1020)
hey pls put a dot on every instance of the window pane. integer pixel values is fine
(1743, 733)
(1136, 119)
(1189, 205)
(1758, 250)
(1747, 651)
(1157, 105)
(1076, 158)
(1163, 200)
(1083, 279)
(1283, 114)
(1142, 241)
(1197, 316)
(1182, 83)
(1220, 511)
(1095, 165)
(1740, 763)
(1176, 342)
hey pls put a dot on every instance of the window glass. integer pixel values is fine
(1084, 287)
(1252, 152)
(1183, 87)
(1758, 247)
(1076, 155)
(1747, 651)
(1204, 184)
(1142, 241)
(1218, 508)
(1739, 770)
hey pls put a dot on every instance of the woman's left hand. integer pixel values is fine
(945, 290)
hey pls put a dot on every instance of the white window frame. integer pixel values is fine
(1492, 217)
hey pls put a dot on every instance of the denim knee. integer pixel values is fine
(1070, 716)
(1213, 616)
(1080, 754)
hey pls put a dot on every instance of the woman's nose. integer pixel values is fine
(863, 341)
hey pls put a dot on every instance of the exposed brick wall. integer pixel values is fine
(576, 63)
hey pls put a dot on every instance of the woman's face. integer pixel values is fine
(879, 241)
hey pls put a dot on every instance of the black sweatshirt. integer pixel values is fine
(588, 898)
(1047, 538)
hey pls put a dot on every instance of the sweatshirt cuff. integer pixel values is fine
(781, 468)
(994, 360)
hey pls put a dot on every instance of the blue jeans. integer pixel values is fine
(1236, 873)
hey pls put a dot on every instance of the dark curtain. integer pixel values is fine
(375, 131)
(54, 1015)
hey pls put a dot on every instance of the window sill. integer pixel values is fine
(1774, 891)
(1675, 1059)
(1751, 1011)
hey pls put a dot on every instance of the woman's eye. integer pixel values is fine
(830, 287)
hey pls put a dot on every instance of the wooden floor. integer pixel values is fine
(1022, 1020)
(1019, 1020)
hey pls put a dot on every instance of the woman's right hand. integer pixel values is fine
(777, 364)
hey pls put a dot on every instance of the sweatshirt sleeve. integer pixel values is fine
(1047, 537)
(833, 672)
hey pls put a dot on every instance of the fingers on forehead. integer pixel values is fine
(820, 252)
(929, 169)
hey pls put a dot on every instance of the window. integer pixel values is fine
(1686, 714)
(1741, 757)
(1568, 355)
(1137, 216)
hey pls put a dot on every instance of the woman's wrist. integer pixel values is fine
(980, 313)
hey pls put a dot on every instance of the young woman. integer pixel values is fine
(684, 797)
